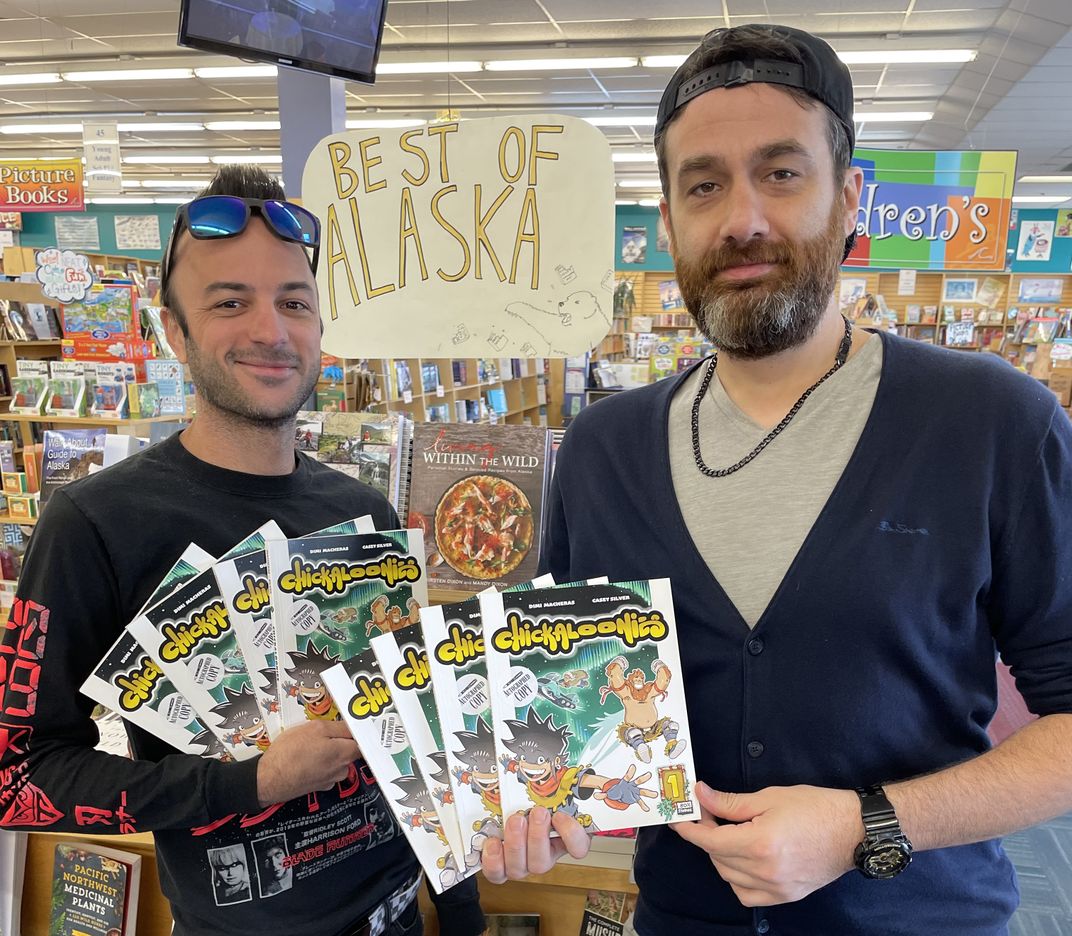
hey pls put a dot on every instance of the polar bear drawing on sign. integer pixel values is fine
(580, 306)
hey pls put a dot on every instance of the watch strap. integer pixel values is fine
(877, 812)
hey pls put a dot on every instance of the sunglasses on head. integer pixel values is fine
(218, 216)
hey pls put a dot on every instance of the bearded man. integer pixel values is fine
(854, 523)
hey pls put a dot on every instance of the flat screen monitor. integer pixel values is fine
(336, 37)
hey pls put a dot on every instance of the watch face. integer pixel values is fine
(886, 859)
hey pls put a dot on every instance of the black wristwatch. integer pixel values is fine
(885, 851)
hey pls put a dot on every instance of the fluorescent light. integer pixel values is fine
(427, 68)
(170, 200)
(907, 56)
(639, 183)
(649, 202)
(38, 78)
(120, 201)
(1040, 199)
(41, 128)
(634, 157)
(160, 127)
(1043, 179)
(662, 61)
(123, 128)
(892, 116)
(130, 74)
(225, 125)
(637, 120)
(173, 183)
(625, 201)
(385, 124)
(164, 159)
(237, 71)
(255, 158)
(131, 183)
(560, 64)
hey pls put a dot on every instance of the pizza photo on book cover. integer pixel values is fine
(588, 708)
(330, 595)
(363, 697)
(478, 494)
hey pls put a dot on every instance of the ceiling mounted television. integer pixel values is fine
(336, 37)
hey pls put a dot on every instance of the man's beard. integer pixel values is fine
(223, 393)
(756, 318)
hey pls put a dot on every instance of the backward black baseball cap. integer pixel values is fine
(812, 66)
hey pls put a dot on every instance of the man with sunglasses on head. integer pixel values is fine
(241, 309)
(854, 523)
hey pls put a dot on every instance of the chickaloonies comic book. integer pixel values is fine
(330, 595)
(243, 582)
(588, 709)
(404, 663)
(127, 680)
(190, 637)
(456, 664)
(363, 696)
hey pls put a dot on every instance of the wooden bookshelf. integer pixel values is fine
(525, 383)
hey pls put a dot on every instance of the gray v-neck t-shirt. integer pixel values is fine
(750, 525)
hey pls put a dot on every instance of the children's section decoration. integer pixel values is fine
(933, 210)
(63, 274)
(490, 236)
(1036, 240)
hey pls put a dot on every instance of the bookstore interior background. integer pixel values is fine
(107, 124)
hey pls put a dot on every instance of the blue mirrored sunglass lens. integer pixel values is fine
(292, 221)
(216, 216)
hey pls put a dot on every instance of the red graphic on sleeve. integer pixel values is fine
(96, 815)
(30, 808)
(22, 648)
(14, 738)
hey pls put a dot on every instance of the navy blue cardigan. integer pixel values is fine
(948, 535)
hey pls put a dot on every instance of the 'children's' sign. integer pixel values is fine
(483, 237)
(933, 210)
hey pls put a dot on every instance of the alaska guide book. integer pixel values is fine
(477, 492)
(588, 709)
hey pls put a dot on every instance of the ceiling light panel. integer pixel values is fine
(130, 74)
(560, 64)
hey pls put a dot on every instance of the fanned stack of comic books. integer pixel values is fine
(568, 697)
(563, 696)
(198, 666)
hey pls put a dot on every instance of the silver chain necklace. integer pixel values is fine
(839, 361)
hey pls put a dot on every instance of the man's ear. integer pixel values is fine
(175, 335)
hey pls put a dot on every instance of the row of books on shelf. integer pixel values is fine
(108, 389)
(464, 712)
(464, 372)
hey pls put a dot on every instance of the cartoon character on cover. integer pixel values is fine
(270, 675)
(308, 686)
(424, 816)
(642, 724)
(241, 717)
(332, 622)
(481, 775)
(213, 746)
(387, 617)
(540, 763)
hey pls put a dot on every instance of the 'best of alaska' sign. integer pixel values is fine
(483, 237)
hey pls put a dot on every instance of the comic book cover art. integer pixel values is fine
(242, 577)
(478, 493)
(404, 663)
(190, 638)
(588, 709)
(330, 595)
(128, 682)
(363, 697)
